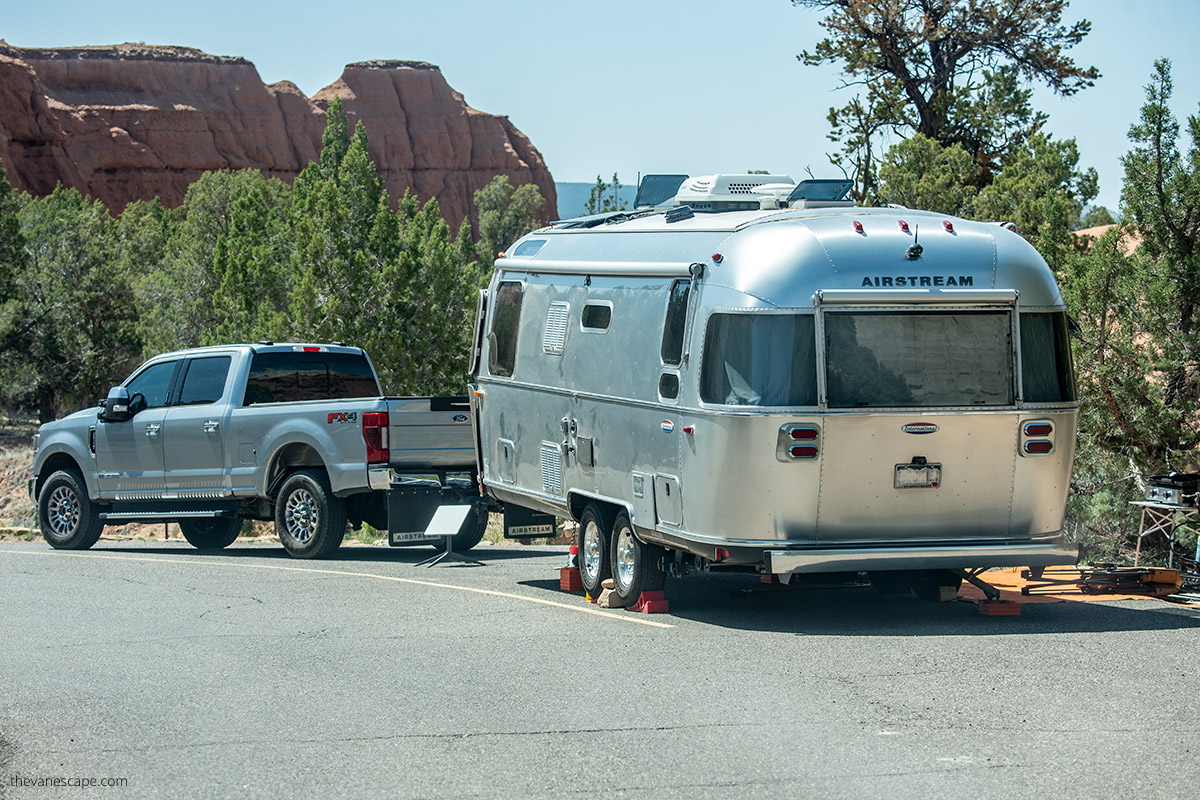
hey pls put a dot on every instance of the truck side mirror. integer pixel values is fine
(116, 407)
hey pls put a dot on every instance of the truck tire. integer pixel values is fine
(471, 534)
(595, 560)
(68, 518)
(636, 566)
(211, 533)
(309, 519)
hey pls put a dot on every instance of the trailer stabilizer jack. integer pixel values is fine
(989, 591)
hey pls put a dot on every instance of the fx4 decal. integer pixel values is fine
(349, 416)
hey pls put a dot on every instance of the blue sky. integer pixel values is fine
(621, 86)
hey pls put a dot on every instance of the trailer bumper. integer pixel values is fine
(787, 562)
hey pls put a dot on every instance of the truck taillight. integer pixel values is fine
(375, 434)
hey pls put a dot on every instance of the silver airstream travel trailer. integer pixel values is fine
(753, 374)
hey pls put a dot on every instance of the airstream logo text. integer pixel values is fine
(919, 427)
(889, 281)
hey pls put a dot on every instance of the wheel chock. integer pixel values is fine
(999, 608)
(650, 603)
(569, 580)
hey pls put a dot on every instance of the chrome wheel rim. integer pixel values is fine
(301, 515)
(623, 568)
(591, 550)
(62, 512)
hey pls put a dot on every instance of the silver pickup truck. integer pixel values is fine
(297, 433)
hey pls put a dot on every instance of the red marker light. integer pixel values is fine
(689, 429)
(717, 258)
(1039, 429)
(804, 433)
(858, 228)
(802, 451)
(1039, 447)
(948, 225)
(904, 226)
(721, 554)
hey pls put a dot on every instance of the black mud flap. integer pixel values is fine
(411, 506)
(525, 523)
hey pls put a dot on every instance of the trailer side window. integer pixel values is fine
(673, 330)
(759, 360)
(502, 350)
(1046, 359)
(878, 359)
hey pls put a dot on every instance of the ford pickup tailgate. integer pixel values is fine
(430, 432)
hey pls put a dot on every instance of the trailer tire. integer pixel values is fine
(68, 518)
(211, 533)
(636, 566)
(595, 561)
(309, 519)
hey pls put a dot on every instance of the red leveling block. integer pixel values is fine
(569, 580)
(650, 603)
(999, 608)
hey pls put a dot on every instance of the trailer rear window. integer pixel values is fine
(283, 377)
(905, 359)
(759, 360)
(1046, 373)
(502, 342)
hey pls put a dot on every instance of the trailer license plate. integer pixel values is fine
(918, 476)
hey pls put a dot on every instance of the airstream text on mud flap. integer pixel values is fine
(804, 387)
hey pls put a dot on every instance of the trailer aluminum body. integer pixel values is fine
(793, 391)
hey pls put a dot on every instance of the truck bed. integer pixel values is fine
(430, 433)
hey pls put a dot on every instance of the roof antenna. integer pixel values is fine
(915, 249)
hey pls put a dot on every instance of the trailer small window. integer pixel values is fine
(1046, 373)
(906, 359)
(673, 329)
(759, 360)
(502, 342)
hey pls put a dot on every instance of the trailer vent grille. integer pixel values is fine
(551, 468)
(555, 336)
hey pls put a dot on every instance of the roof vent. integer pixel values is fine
(678, 214)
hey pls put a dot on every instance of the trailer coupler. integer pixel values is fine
(972, 577)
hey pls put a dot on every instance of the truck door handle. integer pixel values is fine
(211, 426)
(152, 429)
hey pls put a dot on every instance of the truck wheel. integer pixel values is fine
(309, 519)
(595, 561)
(927, 583)
(636, 566)
(213, 533)
(68, 518)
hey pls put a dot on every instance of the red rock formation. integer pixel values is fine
(130, 122)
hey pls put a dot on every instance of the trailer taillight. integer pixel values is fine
(798, 443)
(375, 434)
(1037, 437)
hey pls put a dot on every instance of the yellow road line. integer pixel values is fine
(585, 609)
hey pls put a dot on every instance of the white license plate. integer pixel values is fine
(918, 476)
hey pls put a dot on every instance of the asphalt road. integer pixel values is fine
(249, 674)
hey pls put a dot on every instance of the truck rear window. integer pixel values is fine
(880, 359)
(293, 377)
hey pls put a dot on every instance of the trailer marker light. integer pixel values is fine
(1038, 429)
(802, 451)
(904, 226)
(948, 225)
(721, 554)
(690, 430)
(804, 433)
(717, 258)
(1039, 446)
(858, 227)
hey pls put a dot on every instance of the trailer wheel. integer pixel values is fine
(213, 533)
(595, 565)
(309, 519)
(68, 518)
(927, 583)
(636, 566)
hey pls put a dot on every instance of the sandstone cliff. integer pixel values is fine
(129, 122)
